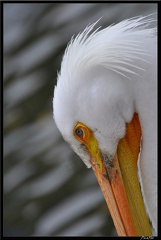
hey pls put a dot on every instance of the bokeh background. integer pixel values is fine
(48, 191)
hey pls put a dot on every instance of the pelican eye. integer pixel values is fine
(79, 132)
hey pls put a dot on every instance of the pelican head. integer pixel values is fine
(100, 109)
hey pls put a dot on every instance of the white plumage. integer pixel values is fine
(105, 77)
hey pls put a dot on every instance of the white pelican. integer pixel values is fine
(105, 106)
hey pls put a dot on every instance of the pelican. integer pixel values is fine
(105, 106)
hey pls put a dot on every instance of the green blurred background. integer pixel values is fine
(48, 191)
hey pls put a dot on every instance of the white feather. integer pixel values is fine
(123, 41)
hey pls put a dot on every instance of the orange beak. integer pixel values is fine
(119, 183)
